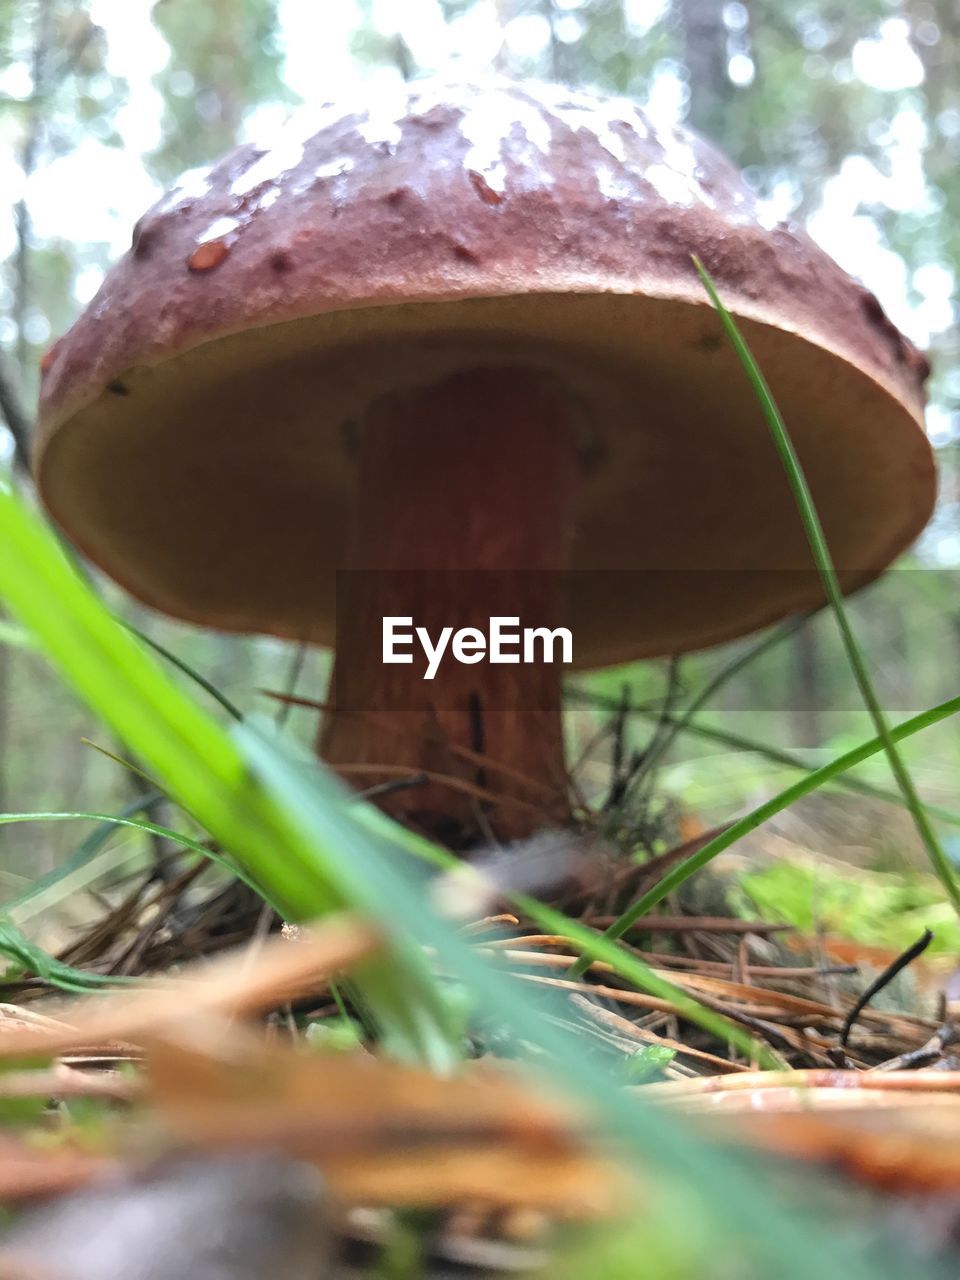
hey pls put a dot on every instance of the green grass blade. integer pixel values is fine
(791, 760)
(825, 567)
(111, 821)
(624, 963)
(88, 848)
(336, 818)
(14, 637)
(28, 957)
(196, 762)
(776, 755)
(185, 669)
(633, 969)
(382, 883)
(712, 687)
(743, 826)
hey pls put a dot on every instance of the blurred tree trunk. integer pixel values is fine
(562, 57)
(228, 52)
(705, 54)
(805, 688)
(935, 32)
(903, 693)
(43, 40)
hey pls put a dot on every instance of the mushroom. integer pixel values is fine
(455, 337)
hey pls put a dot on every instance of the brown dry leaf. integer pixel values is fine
(240, 983)
(62, 1081)
(792, 1101)
(14, 1017)
(805, 1085)
(896, 1132)
(30, 1172)
(382, 1133)
(909, 1146)
(839, 950)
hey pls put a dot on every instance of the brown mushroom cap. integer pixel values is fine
(195, 424)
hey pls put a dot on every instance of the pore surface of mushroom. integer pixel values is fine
(458, 330)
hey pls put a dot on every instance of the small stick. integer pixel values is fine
(883, 980)
(624, 1027)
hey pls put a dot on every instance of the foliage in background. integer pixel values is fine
(868, 907)
(816, 101)
(225, 59)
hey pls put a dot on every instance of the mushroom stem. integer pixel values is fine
(465, 512)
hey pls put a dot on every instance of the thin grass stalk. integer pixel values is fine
(743, 826)
(828, 575)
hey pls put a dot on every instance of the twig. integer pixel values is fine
(14, 415)
(284, 969)
(440, 779)
(619, 777)
(624, 1027)
(61, 1081)
(381, 789)
(943, 1038)
(294, 672)
(699, 924)
(383, 723)
(882, 980)
(818, 1078)
(644, 768)
(777, 1037)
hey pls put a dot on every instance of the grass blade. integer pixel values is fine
(743, 826)
(678, 723)
(196, 762)
(110, 821)
(776, 755)
(88, 848)
(730, 1199)
(825, 567)
(28, 957)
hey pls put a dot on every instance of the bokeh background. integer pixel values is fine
(843, 114)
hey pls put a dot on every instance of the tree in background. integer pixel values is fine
(225, 59)
(843, 113)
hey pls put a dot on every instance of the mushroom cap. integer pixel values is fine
(195, 424)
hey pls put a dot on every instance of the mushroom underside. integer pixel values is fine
(218, 485)
(607, 444)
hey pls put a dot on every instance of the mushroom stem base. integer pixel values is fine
(465, 511)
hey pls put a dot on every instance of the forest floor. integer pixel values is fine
(233, 1105)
